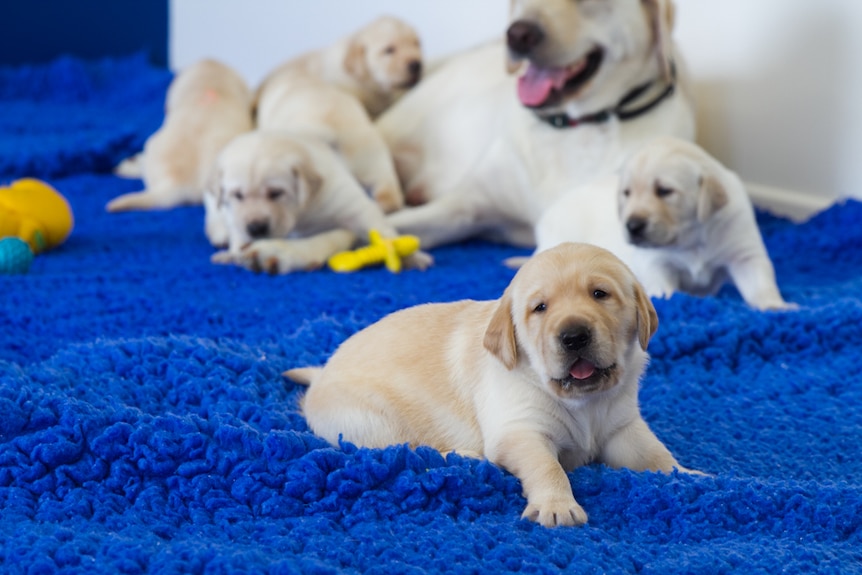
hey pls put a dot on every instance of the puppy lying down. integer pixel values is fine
(376, 64)
(282, 202)
(291, 101)
(541, 381)
(207, 104)
(677, 217)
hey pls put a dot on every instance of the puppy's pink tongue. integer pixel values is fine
(582, 369)
(535, 86)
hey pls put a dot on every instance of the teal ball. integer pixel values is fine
(15, 256)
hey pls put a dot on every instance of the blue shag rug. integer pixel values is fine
(145, 427)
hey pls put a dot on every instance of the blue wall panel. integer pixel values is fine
(40, 30)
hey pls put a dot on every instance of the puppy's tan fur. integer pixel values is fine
(376, 64)
(207, 104)
(497, 379)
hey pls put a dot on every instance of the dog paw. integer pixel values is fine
(223, 257)
(418, 261)
(389, 199)
(555, 512)
(276, 257)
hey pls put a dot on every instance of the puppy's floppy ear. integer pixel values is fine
(354, 60)
(304, 172)
(661, 15)
(500, 335)
(646, 316)
(712, 197)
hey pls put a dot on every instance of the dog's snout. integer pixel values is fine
(523, 36)
(576, 338)
(414, 68)
(258, 229)
(636, 226)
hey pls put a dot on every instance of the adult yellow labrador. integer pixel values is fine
(541, 381)
(486, 153)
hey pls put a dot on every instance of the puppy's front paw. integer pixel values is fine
(418, 261)
(277, 257)
(223, 257)
(389, 199)
(555, 512)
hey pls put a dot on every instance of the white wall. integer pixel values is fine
(778, 82)
(779, 89)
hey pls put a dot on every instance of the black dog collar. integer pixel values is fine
(621, 110)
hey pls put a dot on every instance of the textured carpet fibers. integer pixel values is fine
(145, 427)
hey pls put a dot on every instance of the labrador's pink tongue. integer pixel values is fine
(582, 369)
(535, 86)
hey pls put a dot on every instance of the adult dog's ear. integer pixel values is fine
(646, 316)
(662, 14)
(712, 197)
(355, 63)
(500, 335)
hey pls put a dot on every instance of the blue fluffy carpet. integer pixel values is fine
(145, 427)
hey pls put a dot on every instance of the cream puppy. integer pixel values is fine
(207, 104)
(284, 202)
(293, 101)
(486, 153)
(678, 218)
(376, 64)
(541, 381)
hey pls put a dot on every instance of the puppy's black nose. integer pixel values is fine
(258, 229)
(414, 68)
(576, 338)
(522, 36)
(636, 226)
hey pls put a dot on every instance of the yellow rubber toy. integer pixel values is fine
(387, 251)
(35, 212)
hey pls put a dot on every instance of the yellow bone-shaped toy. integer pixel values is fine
(35, 212)
(388, 251)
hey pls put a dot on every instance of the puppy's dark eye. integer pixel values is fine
(274, 193)
(627, 192)
(389, 50)
(600, 294)
(237, 194)
(540, 308)
(662, 191)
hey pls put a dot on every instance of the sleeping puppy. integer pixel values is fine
(678, 218)
(541, 381)
(284, 202)
(486, 153)
(376, 64)
(207, 104)
(290, 100)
